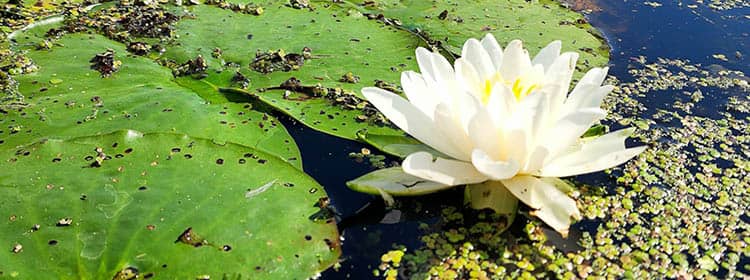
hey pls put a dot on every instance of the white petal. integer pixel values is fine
(530, 190)
(493, 49)
(451, 129)
(409, 118)
(394, 181)
(424, 60)
(418, 93)
(515, 61)
(587, 96)
(548, 54)
(474, 53)
(603, 152)
(595, 76)
(444, 171)
(535, 160)
(492, 168)
(566, 131)
(528, 118)
(515, 146)
(559, 74)
(442, 68)
(554, 207)
(500, 104)
(468, 76)
(538, 124)
(485, 135)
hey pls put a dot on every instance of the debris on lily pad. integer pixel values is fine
(279, 60)
(139, 48)
(105, 63)
(126, 20)
(249, 8)
(198, 66)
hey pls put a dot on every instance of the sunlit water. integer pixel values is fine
(632, 29)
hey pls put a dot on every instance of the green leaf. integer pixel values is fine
(536, 23)
(595, 130)
(398, 145)
(68, 99)
(341, 41)
(395, 182)
(492, 195)
(248, 214)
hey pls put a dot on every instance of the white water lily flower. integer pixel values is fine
(504, 117)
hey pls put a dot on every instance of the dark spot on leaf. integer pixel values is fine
(308, 237)
(262, 161)
(220, 161)
(142, 188)
(226, 248)
(56, 159)
(175, 150)
(242, 161)
(52, 242)
(188, 156)
(128, 273)
(190, 238)
(119, 155)
(128, 150)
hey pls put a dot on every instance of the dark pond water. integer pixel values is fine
(633, 29)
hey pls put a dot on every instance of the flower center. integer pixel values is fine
(520, 87)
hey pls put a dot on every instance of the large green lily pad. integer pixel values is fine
(159, 204)
(340, 41)
(536, 22)
(68, 99)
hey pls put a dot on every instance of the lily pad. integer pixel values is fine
(394, 181)
(340, 42)
(450, 23)
(68, 99)
(128, 205)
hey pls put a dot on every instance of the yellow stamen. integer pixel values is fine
(487, 91)
(519, 88)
